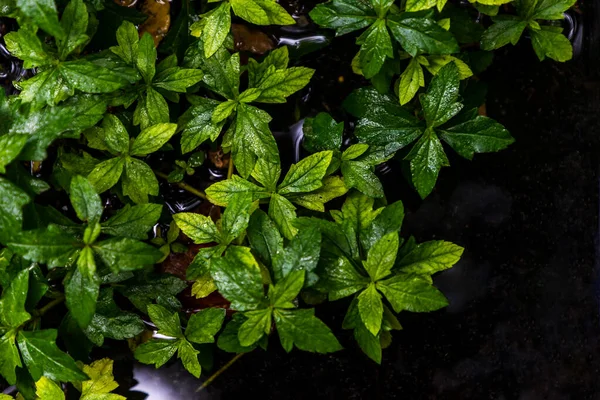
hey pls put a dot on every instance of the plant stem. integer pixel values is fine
(184, 186)
(219, 372)
(230, 169)
(50, 305)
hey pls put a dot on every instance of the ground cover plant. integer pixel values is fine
(118, 111)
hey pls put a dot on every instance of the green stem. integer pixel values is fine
(50, 306)
(37, 314)
(230, 169)
(184, 186)
(219, 372)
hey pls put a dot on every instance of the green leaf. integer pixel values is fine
(128, 39)
(101, 382)
(217, 24)
(358, 210)
(238, 278)
(322, 133)
(277, 59)
(43, 126)
(156, 351)
(9, 357)
(360, 175)
(203, 286)
(412, 293)
(200, 266)
(249, 95)
(222, 111)
(124, 254)
(189, 357)
(46, 389)
(151, 109)
(146, 57)
(74, 23)
(106, 174)
(381, 257)
(340, 278)
(354, 151)
(376, 46)
(252, 139)
(381, 6)
(261, 12)
(551, 9)
(257, 325)
(229, 340)
(177, 79)
(368, 343)
(382, 120)
(370, 308)
(333, 187)
(302, 329)
(283, 213)
(51, 246)
(139, 181)
(385, 221)
(440, 102)
(197, 126)
(275, 87)
(479, 135)
(549, 43)
(12, 302)
(114, 135)
(267, 174)
(82, 286)
(10, 147)
(85, 200)
(426, 160)
(151, 139)
(418, 34)
(306, 175)
(25, 45)
(264, 237)
(505, 30)
(91, 78)
(167, 322)
(111, 322)
(204, 325)
(302, 254)
(12, 200)
(44, 14)
(236, 216)
(430, 257)
(410, 81)
(145, 289)
(287, 289)
(344, 16)
(43, 358)
(221, 70)
(200, 228)
(133, 222)
(222, 192)
(418, 5)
